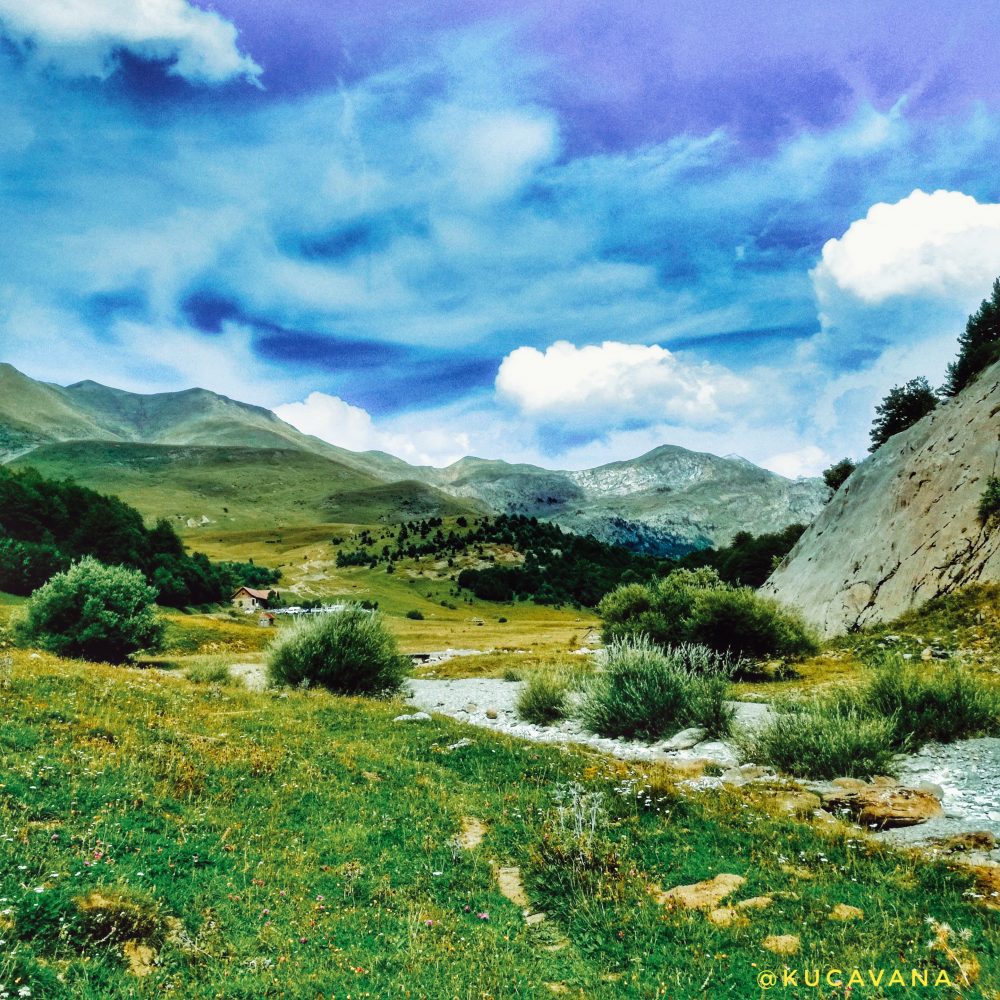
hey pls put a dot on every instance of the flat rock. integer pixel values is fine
(510, 884)
(718, 752)
(844, 912)
(886, 808)
(701, 895)
(685, 739)
(727, 916)
(781, 944)
(414, 717)
(472, 833)
(755, 903)
(975, 840)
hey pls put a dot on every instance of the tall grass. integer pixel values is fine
(647, 692)
(928, 703)
(857, 732)
(824, 741)
(542, 700)
(348, 652)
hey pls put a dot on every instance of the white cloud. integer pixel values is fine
(341, 423)
(808, 461)
(612, 384)
(942, 244)
(83, 36)
(488, 156)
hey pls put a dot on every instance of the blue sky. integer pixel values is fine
(559, 235)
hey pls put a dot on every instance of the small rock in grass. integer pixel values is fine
(781, 944)
(415, 717)
(755, 903)
(727, 916)
(491, 713)
(842, 911)
(700, 895)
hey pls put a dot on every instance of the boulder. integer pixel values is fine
(885, 807)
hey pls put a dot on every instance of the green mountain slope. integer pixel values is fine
(237, 488)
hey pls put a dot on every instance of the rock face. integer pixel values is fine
(904, 527)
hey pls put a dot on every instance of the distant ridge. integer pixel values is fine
(667, 502)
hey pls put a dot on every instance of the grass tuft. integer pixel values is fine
(647, 692)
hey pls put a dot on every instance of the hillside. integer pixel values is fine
(666, 502)
(237, 488)
(904, 527)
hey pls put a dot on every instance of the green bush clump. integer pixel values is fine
(348, 652)
(695, 606)
(824, 741)
(416, 616)
(649, 692)
(928, 703)
(93, 612)
(743, 622)
(856, 733)
(211, 671)
(543, 698)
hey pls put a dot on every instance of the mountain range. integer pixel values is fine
(202, 458)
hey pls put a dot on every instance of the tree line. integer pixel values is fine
(46, 525)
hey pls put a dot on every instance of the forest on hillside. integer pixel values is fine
(558, 566)
(46, 525)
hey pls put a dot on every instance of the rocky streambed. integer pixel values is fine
(963, 777)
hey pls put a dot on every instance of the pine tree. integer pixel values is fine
(978, 347)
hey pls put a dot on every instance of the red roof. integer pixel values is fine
(261, 595)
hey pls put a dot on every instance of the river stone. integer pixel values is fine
(685, 739)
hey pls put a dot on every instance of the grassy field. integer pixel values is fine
(237, 489)
(162, 837)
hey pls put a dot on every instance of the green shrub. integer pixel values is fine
(695, 606)
(989, 502)
(823, 741)
(657, 610)
(928, 702)
(93, 612)
(210, 671)
(348, 652)
(416, 616)
(647, 692)
(745, 624)
(543, 698)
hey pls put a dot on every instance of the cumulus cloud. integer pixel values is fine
(942, 244)
(332, 419)
(84, 37)
(807, 461)
(612, 384)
